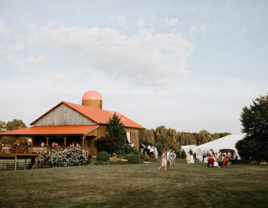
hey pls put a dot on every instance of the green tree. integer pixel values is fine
(254, 121)
(3, 126)
(149, 136)
(9, 126)
(116, 130)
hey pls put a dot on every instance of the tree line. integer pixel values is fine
(9, 126)
(170, 138)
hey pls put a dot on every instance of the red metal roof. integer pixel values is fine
(51, 130)
(97, 115)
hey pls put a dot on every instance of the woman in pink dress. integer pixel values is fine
(164, 161)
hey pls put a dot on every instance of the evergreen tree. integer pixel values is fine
(116, 130)
(183, 154)
(255, 126)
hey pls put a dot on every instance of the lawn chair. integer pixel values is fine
(263, 162)
(253, 162)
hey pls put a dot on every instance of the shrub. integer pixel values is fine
(103, 156)
(191, 152)
(178, 154)
(133, 159)
(147, 158)
(183, 154)
(62, 158)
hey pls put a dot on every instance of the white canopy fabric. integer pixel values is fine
(187, 148)
(227, 142)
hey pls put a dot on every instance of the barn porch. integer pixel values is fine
(63, 136)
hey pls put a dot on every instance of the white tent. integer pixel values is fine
(187, 148)
(224, 143)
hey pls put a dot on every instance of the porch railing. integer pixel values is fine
(37, 150)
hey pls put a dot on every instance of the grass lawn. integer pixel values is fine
(141, 185)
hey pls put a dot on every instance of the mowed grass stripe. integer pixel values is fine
(141, 185)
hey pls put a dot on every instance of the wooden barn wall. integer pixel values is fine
(93, 133)
(63, 116)
(102, 131)
(134, 137)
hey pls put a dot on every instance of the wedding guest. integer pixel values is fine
(148, 149)
(40, 143)
(204, 155)
(211, 161)
(142, 147)
(229, 154)
(167, 156)
(164, 161)
(171, 159)
(152, 151)
(53, 144)
(145, 150)
(155, 152)
(188, 157)
(29, 144)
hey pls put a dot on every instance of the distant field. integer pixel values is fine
(142, 185)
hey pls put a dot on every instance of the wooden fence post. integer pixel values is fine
(15, 163)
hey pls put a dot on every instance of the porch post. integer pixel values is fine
(83, 140)
(17, 140)
(47, 141)
(64, 140)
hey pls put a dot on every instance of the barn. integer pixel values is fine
(68, 123)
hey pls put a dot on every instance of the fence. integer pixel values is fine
(10, 164)
(36, 150)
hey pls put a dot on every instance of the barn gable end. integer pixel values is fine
(63, 115)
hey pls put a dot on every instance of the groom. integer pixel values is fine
(171, 159)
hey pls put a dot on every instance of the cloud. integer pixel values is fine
(144, 58)
(140, 23)
(121, 19)
(3, 29)
(228, 4)
(203, 28)
(192, 29)
(40, 59)
(245, 30)
(171, 22)
(192, 9)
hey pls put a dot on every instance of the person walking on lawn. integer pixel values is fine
(164, 161)
(171, 159)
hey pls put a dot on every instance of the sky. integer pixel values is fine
(187, 65)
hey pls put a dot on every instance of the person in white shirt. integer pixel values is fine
(42, 144)
(168, 162)
(152, 150)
